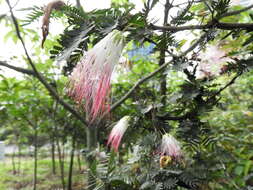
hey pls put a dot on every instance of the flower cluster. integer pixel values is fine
(212, 62)
(90, 79)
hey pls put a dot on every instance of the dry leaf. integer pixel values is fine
(46, 19)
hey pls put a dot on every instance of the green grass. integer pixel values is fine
(46, 180)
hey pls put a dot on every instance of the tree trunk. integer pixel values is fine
(61, 163)
(79, 161)
(19, 158)
(90, 158)
(163, 82)
(13, 162)
(71, 163)
(53, 155)
(35, 154)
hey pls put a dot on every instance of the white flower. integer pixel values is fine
(90, 79)
(117, 132)
(170, 147)
(212, 61)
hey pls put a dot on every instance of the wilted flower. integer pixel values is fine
(90, 79)
(46, 18)
(170, 147)
(117, 132)
(164, 161)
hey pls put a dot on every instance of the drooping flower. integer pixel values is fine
(46, 18)
(90, 79)
(170, 147)
(117, 132)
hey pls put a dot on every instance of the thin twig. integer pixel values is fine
(144, 79)
(231, 13)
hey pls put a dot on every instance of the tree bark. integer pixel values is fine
(13, 162)
(71, 163)
(61, 163)
(90, 158)
(19, 158)
(79, 161)
(35, 154)
(53, 155)
(163, 82)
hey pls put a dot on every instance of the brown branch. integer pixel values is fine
(39, 76)
(18, 69)
(56, 4)
(218, 25)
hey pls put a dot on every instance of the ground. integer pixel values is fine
(46, 180)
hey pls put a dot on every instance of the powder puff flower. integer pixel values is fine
(212, 61)
(117, 132)
(170, 147)
(90, 79)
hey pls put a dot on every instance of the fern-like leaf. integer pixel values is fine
(71, 41)
(35, 14)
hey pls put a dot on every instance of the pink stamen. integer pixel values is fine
(90, 80)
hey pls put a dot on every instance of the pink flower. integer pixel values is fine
(170, 147)
(117, 132)
(212, 61)
(90, 80)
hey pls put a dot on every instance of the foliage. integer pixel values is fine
(211, 119)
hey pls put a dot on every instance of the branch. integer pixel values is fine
(194, 45)
(29, 121)
(231, 13)
(174, 118)
(18, 69)
(144, 79)
(226, 86)
(219, 25)
(232, 26)
(39, 76)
